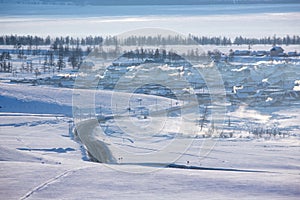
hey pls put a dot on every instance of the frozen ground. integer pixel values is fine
(40, 159)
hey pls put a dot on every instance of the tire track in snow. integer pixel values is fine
(50, 181)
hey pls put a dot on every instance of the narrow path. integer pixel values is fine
(50, 181)
(97, 149)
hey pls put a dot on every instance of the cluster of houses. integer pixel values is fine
(275, 51)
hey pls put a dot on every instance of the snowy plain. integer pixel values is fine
(40, 157)
(208, 20)
(41, 160)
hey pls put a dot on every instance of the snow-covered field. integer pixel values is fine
(41, 159)
(210, 20)
(152, 147)
(50, 134)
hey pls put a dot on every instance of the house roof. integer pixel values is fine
(276, 48)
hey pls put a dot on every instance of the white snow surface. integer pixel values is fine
(41, 160)
(58, 20)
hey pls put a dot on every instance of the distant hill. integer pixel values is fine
(148, 2)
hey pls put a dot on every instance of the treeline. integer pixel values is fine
(286, 40)
(158, 40)
(151, 55)
(30, 40)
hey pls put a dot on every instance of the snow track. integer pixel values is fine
(50, 181)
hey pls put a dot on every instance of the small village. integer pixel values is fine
(246, 79)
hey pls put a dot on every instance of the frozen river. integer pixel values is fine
(209, 20)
